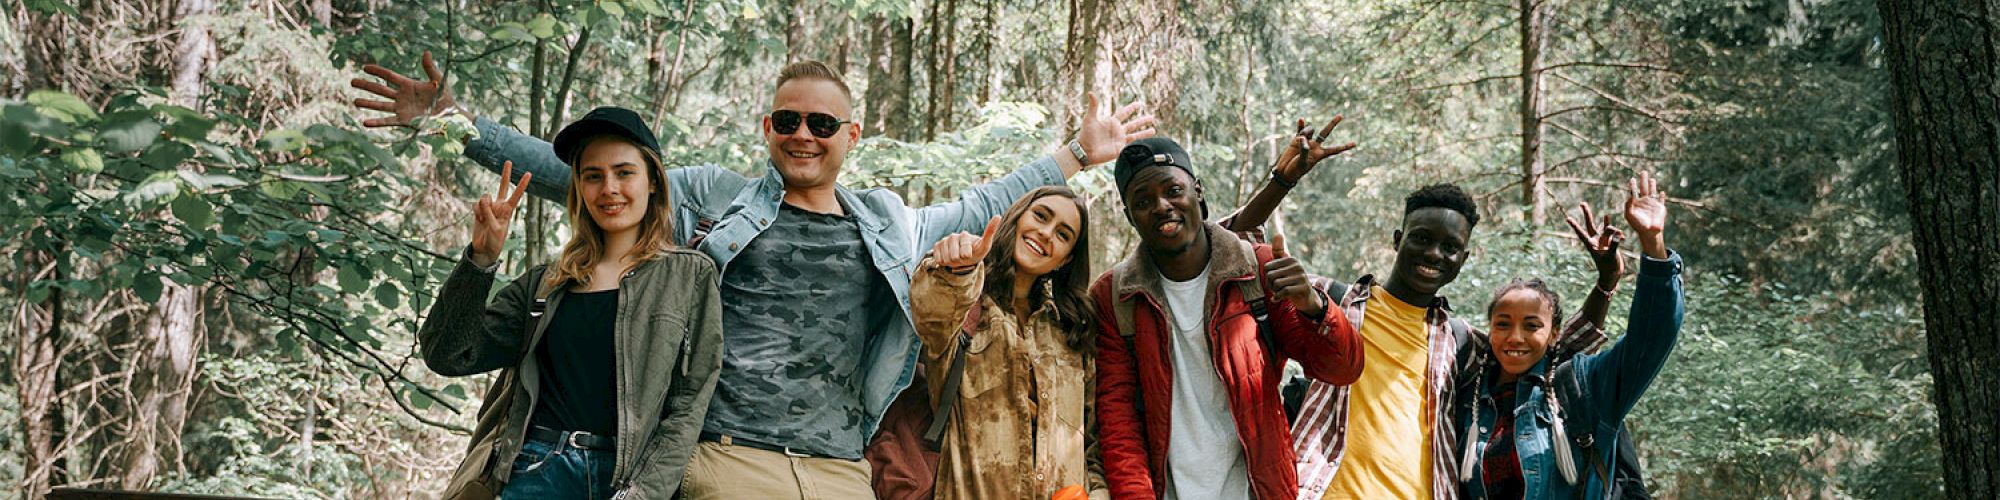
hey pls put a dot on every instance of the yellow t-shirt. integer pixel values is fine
(1388, 434)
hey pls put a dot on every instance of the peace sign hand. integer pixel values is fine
(492, 215)
(1306, 149)
(961, 251)
(1601, 240)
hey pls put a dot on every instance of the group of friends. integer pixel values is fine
(705, 334)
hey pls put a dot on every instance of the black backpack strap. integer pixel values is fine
(953, 377)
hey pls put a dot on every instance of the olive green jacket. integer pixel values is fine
(667, 339)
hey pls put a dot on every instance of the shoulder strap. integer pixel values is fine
(1122, 313)
(934, 436)
(1256, 295)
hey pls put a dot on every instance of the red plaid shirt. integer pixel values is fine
(1319, 436)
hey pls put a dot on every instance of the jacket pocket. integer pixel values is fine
(667, 340)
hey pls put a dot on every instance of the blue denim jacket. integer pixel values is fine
(1617, 377)
(896, 235)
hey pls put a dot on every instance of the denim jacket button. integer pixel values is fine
(732, 246)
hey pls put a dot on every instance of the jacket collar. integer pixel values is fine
(1229, 258)
(772, 187)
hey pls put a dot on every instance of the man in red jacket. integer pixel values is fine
(1187, 382)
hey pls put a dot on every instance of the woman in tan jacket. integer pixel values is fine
(1017, 426)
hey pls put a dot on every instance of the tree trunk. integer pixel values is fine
(989, 35)
(903, 78)
(943, 67)
(1081, 54)
(669, 89)
(37, 358)
(1534, 38)
(169, 336)
(1943, 81)
(796, 31)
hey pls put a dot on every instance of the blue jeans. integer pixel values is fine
(555, 470)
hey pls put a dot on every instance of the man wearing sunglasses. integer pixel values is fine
(818, 338)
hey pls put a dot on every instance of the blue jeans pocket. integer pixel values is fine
(534, 454)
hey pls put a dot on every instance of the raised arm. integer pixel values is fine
(460, 337)
(1585, 332)
(945, 287)
(1303, 152)
(1305, 324)
(1621, 374)
(410, 101)
(1102, 134)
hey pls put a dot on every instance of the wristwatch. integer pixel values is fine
(1076, 149)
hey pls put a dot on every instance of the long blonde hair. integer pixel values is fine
(585, 247)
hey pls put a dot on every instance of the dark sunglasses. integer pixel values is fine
(786, 122)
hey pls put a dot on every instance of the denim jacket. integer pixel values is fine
(738, 208)
(1617, 377)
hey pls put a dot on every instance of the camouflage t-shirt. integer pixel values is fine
(800, 305)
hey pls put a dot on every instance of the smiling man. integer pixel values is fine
(1387, 435)
(817, 334)
(1192, 345)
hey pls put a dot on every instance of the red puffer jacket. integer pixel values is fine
(1135, 377)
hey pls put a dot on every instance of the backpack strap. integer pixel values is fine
(1257, 296)
(954, 376)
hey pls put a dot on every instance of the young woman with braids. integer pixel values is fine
(1542, 417)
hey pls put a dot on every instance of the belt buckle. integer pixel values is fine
(789, 453)
(571, 439)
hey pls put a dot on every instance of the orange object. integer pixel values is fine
(1071, 492)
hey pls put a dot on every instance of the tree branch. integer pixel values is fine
(1613, 64)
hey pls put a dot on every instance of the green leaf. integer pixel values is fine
(542, 26)
(166, 154)
(612, 9)
(161, 186)
(205, 181)
(128, 131)
(418, 399)
(54, 6)
(32, 121)
(351, 280)
(194, 210)
(187, 123)
(387, 294)
(147, 286)
(83, 160)
(61, 106)
(650, 7)
(283, 140)
(455, 390)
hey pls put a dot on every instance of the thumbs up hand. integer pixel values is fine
(1288, 280)
(961, 251)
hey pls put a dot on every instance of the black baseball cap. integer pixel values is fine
(602, 121)
(1153, 152)
(1149, 152)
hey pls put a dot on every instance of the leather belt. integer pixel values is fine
(575, 439)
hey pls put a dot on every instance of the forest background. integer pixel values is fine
(214, 273)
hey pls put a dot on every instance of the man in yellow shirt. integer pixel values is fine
(1386, 435)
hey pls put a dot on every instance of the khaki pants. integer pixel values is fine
(721, 471)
